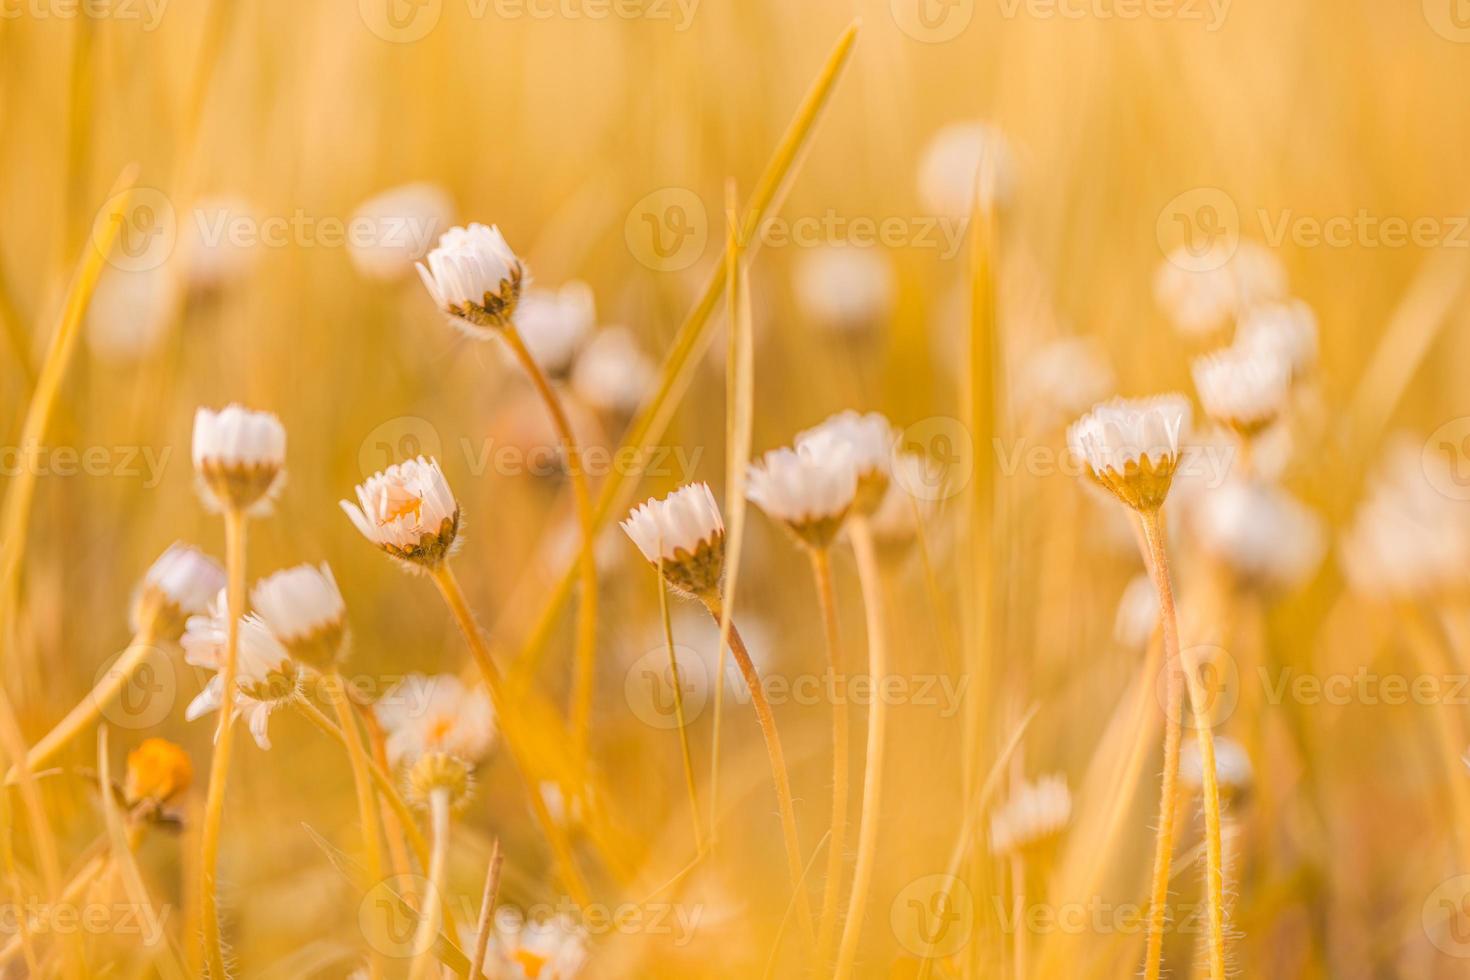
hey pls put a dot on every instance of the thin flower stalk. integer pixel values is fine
(678, 684)
(367, 806)
(821, 562)
(430, 915)
(486, 924)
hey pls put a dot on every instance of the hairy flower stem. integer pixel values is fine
(821, 560)
(219, 767)
(875, 613)
(429, 916)
(585, 655)
(779, 775)
(678, 685)
(367, 809)
(1158, 562)
(486, 924)
(561, 848)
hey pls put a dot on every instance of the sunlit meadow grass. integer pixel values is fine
(526, 744)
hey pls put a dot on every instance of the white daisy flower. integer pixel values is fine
(1201, 293)
(844, 289)
(304, 609)
(809, 494)
(956, 159)
(685, 532)
(213, 255)
(1261, 532)
(409, 511)
(265, 677)
(554, 949)
(1243, 388)
(424, 715)
(132, 312)
(473, 276)
(394, 229)
(1062, 379)
(612, 373)
(240, 458)
(180, 583)
(903, 509)
(553, 323)
(1035, 812)
(1131, 446)
(1287, 329)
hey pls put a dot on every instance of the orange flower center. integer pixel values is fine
(532, 963)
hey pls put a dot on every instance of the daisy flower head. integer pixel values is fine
(550, 949)
(844, 289)
(1244, 388)
(1287, 329)
(1036, 812)
(554, 322)
(179, 584)
(1131, 447)
(265, 676)
(400, 225)
(957, 161)
(684, 535)
(439, 729)
(304, 609)
(409, 511)
(809, 493)
(1262, 533)
(612, 373)
(1062, 379)
(475, 278)
(867, 439)
(239, 458)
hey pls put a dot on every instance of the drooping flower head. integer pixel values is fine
(1243, 388)
(809, 494)
(239, 457)
(180, 584)
(438, 729)
(554, 322)
(684, 535)
(867, 440)
(550, 949)
(304, 609)
(1035, 812)
(475, 278)
(265, 676)
(1131, 446)
(409, 511)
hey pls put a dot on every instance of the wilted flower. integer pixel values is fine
(1035, 812)
(400, 224)
(843, 288)
(1131, 447)
(304, 609)
(265, 677)
(684, 534)
(809, 494)
(553, 323)
(179, 584)
(409, 511)
(612, 373)
(474, 277)
(240, 458)
(1243, 388)
(957, 158)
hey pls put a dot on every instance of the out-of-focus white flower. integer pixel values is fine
(957, 158)
(554, 322)
(132, 312)
(551, 949)
(265, 677)
(409, 511)
(1131, 446)
(902, 511)
(1264, 534)
(1062, 379)
(473, 276)
(612, 373)
(809, 494)
(240, 458)
(843, 288)
(1138, 613)
(684, 534)
(1201, 293)
(1244, 388)
(1233, 769)
(1288, 330)
(1035, 812)
(218, 243)
(394, 229)
(180, 583)
(867, 439)
(304, 609)
(440, 714)
(1407, 540)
